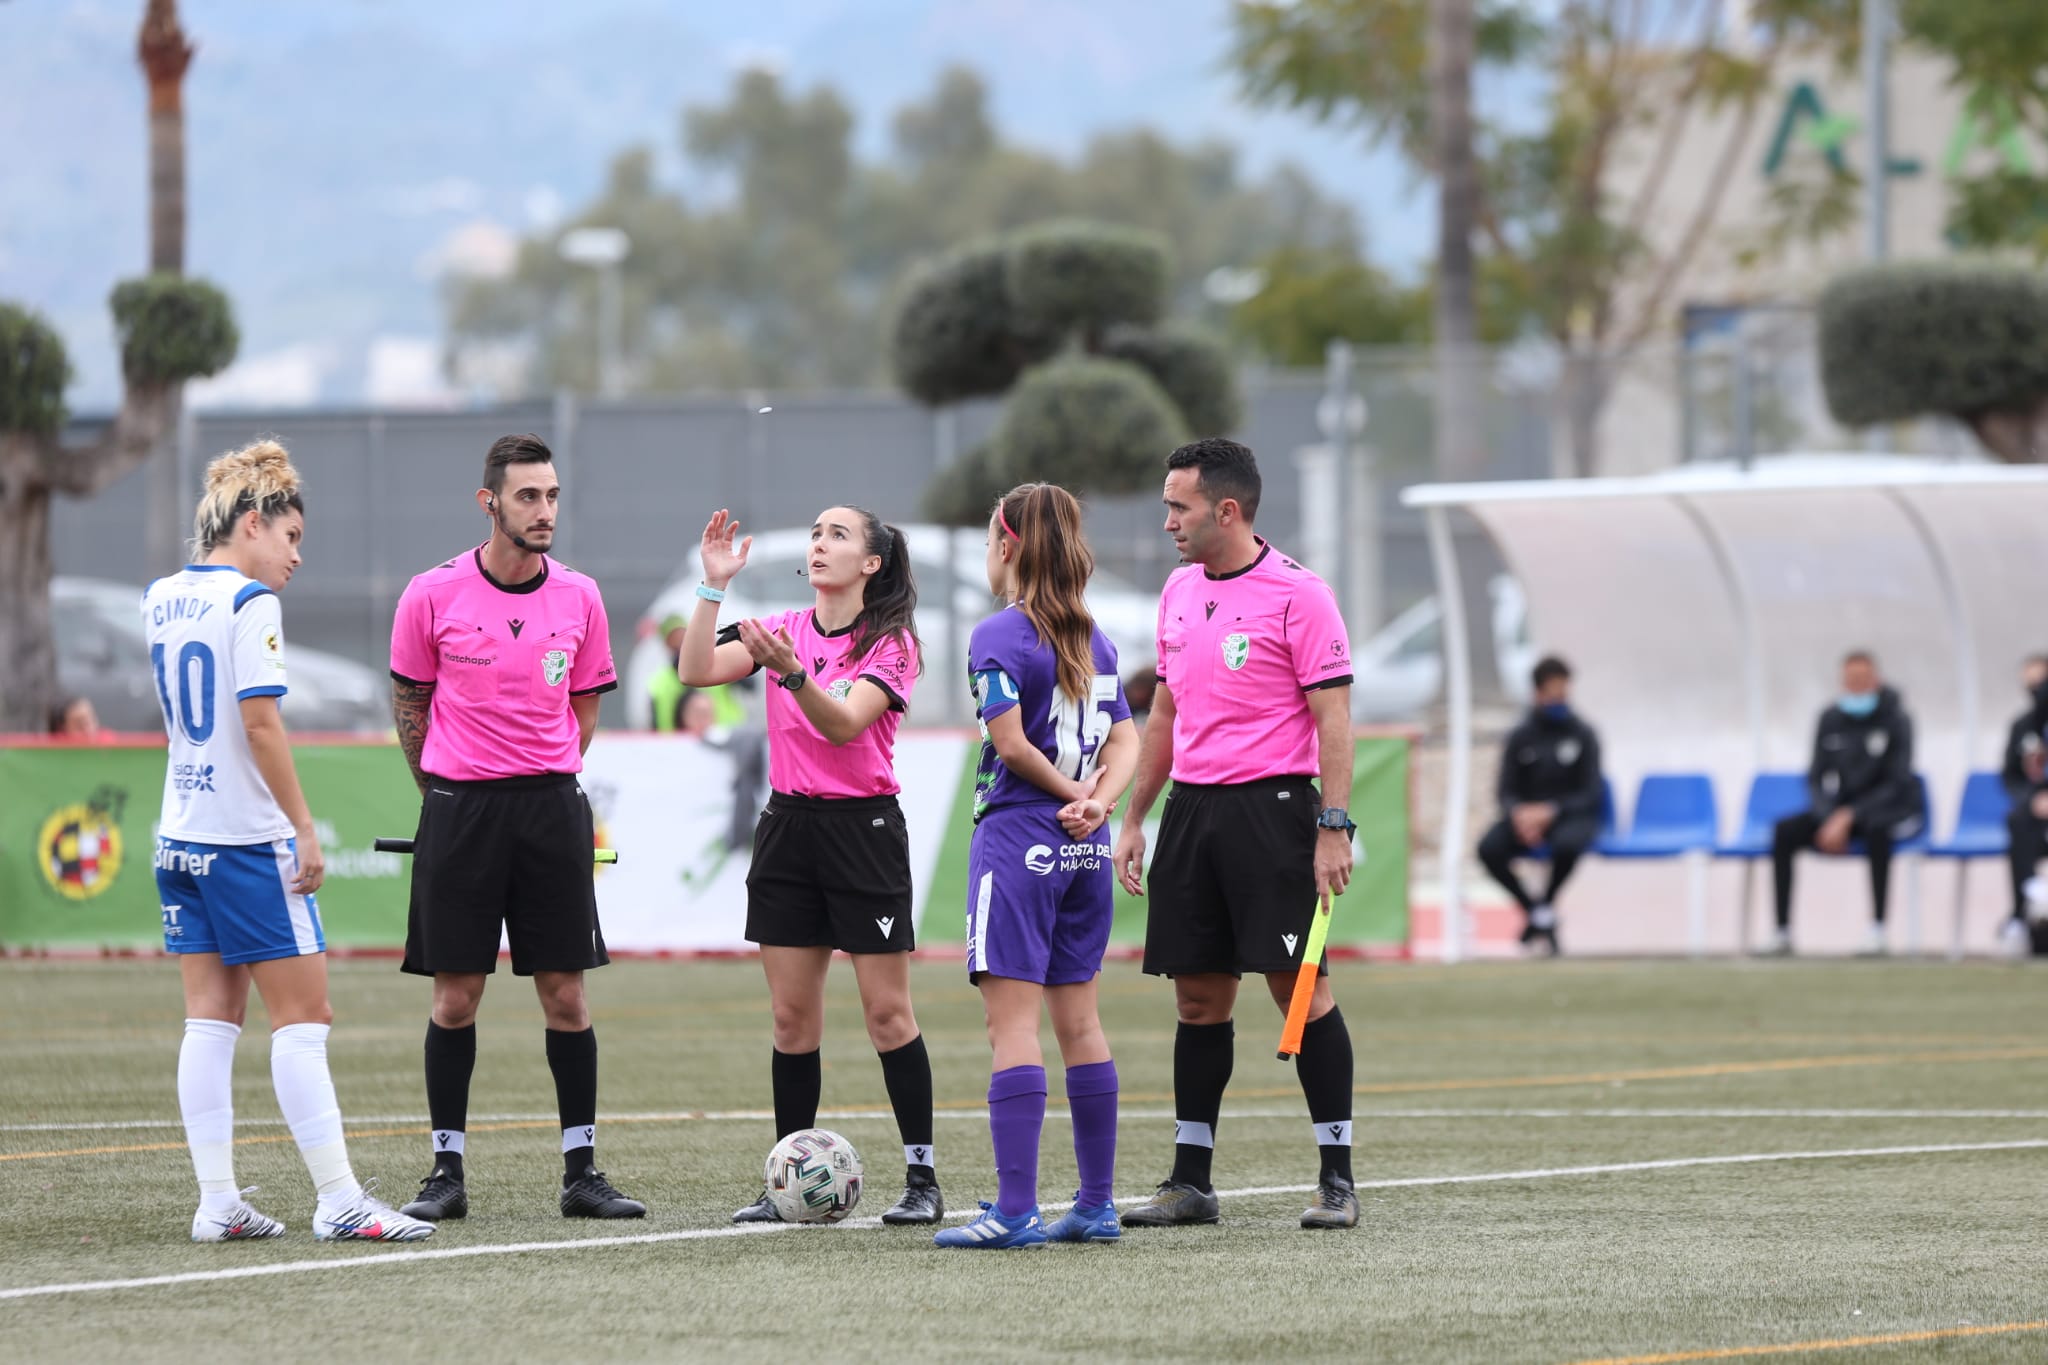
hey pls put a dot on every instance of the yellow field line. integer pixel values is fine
(1665, 1073)
(1708, 1069)
(1827, 1344)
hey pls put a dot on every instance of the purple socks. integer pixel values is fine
(1016, 1115)
(1091, 1096)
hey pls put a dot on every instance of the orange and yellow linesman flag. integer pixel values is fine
(1305, 982)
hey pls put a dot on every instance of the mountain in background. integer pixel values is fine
(340, 153)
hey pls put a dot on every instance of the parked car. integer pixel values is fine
(103, 654)
(1399, 672)
(948, 564)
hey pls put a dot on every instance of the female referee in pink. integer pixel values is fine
(1058, 749)
(831, 865)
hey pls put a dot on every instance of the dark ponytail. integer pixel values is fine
(888, 604)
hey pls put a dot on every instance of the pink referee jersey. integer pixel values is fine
(803, 762)
(1240, 654)
(503, 662)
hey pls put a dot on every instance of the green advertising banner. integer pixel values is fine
(77, 843)
(1373, 910)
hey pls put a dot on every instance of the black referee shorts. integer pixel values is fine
(831, 872)
(1232, 887)
(514, 853)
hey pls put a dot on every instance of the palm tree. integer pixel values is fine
(1451, 42)
(166, 55)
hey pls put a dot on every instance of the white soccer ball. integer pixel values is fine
(813, 1176)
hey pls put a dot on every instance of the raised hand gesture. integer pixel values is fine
(724, 552)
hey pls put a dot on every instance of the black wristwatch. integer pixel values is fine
(793, 681)
(1335, 817)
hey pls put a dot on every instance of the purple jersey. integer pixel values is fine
(1010, 666)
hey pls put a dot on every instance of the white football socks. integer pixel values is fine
(206, 1099)
(305, 1094)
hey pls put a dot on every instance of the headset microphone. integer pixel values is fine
(513, 536)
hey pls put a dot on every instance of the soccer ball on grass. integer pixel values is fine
(813, 1176)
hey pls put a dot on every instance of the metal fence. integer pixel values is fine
(390, 491)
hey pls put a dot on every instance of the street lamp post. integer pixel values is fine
(603, 249)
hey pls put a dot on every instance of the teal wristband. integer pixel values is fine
(709, 593)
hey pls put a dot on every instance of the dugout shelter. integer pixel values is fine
(1705, 610)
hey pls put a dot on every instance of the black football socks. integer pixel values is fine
(1324, 1067)
(451, 1057)
(1203, 1055)
(798, 1078)
(573, 1059)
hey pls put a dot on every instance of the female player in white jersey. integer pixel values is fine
(237, 861)
(831, 864)
(1058, 748)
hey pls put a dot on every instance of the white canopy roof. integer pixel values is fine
(1705, 611)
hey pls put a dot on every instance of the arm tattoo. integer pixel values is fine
(409, 712)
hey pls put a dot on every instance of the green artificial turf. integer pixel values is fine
(1481, 1070)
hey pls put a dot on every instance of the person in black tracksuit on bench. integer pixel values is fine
(1862, 787)
(2025, 776)
(1550, 797)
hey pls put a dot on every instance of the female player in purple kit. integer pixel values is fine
(1058, 749)
(831, 865)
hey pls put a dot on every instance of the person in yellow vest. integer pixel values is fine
(667, 691)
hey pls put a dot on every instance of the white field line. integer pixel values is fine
(395, 1258)
(1055, 1111)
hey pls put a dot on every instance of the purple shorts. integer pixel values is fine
(1039, 904)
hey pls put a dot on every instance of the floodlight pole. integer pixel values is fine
(604, 249)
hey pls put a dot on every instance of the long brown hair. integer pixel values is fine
(1053, 568)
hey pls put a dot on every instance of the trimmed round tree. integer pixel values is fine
(1191, 365)
(1963, 340)
(33, 372)
(989, 320)
(1073, 276)
(172, 329)
(1085, 422)
(956, 335)
(965, 491)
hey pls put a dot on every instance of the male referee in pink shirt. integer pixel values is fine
(498, 661)
(1253, 700)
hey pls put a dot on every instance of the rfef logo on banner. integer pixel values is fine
(79, 846)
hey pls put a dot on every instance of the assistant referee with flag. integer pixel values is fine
(499, 658)
(1253, 700)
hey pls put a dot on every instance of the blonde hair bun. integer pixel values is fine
(257, 477)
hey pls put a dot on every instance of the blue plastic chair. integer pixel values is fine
(1674, 815)
(1980, 825)
(1980, 833)
(1772, 797)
